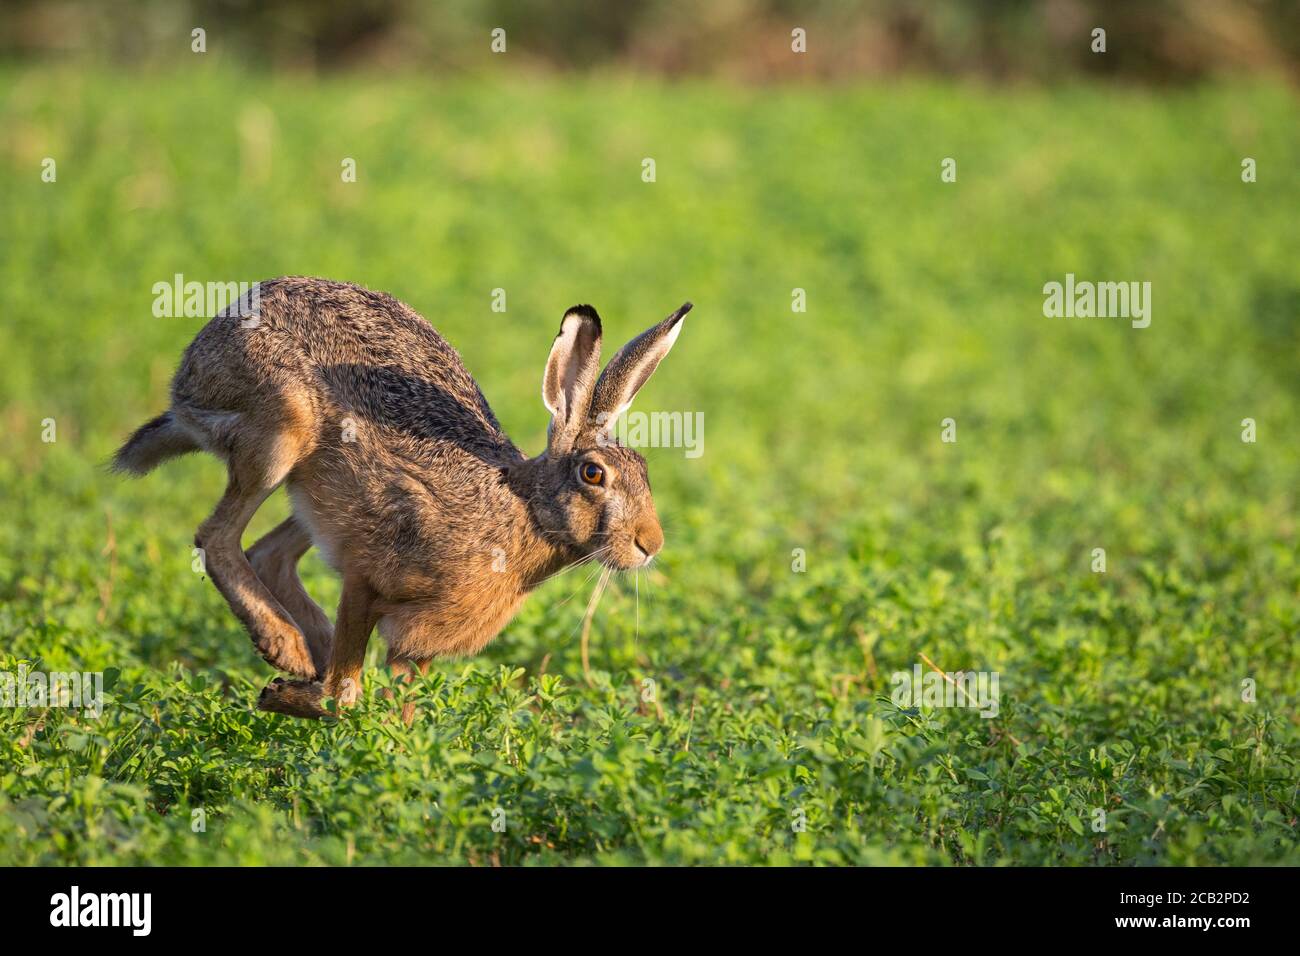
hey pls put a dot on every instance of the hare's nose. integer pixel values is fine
(649, 538)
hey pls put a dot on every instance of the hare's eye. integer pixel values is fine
(592, 474)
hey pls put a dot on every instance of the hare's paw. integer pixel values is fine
(299, 698)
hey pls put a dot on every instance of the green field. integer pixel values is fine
(773, 738)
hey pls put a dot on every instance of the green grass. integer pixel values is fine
(1120, 690)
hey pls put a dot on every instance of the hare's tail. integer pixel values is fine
(153, 443)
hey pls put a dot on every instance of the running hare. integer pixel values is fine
(399, 473)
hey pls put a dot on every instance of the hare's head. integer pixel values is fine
(588, 493)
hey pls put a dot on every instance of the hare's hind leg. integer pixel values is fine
(258, 462)
(275, 559)
(342, 680)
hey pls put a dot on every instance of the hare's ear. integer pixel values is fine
(631, 368)
(570, 376)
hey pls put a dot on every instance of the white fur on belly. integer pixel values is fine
(307, 518)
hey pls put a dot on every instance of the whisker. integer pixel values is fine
(586, 624)
(583, 560)
(585, 582)
(563, 534)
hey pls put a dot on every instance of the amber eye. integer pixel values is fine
(592, 474)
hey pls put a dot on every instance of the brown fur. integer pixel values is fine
(399, 472)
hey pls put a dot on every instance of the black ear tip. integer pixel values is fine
(582, 311)
(685, 307)
(585, 311)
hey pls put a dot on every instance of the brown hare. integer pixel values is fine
(398, 471)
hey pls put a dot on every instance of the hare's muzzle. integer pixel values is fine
(649, 539)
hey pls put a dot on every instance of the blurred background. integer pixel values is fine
(848, 302)
(1160, 41)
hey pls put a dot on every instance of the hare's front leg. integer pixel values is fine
(403, 669)
(356, 619)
